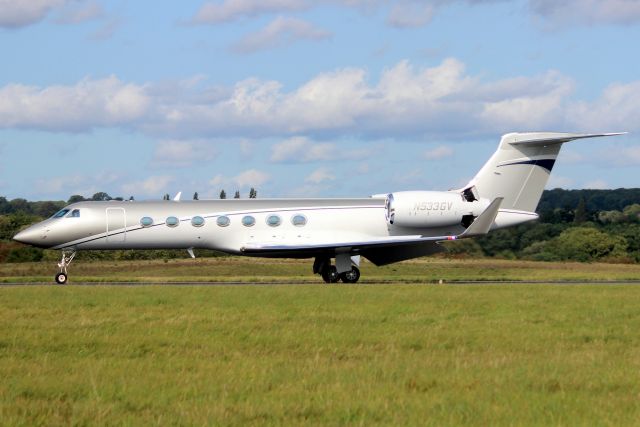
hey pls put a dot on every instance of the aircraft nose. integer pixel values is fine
(31, 236)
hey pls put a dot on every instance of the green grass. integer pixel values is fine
(309, 355)
(223, 269)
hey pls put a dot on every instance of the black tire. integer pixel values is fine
(330, 274)
(351, 276)
(61, 278)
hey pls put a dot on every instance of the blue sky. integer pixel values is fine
(308, 98)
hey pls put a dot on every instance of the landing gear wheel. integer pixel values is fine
(330, 274)
(350, 276)
(67, 257)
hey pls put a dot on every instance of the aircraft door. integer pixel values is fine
(116, 225)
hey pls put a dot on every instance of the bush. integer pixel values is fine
(579, 244)
(24, 254)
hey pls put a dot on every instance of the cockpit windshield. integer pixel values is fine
(61, 213)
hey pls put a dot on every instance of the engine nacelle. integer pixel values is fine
(427, 209)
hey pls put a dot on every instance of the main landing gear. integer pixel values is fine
(330, 274)
(67, 257)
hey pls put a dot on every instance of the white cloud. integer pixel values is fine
(623, 156)
(77, 184)
(217, 180)
(597, 184)
(230, 10)
(407, 14)
(320, 175)
(153, 186)
(279, 32)
(617, 109)
(438, 153)
(251, 178)
(88, 104)
(301, 150)
(557, 181)
(182, 153)
(400, 14)
(404, 101)
(22, 13)
(589, 12)
(17, 13)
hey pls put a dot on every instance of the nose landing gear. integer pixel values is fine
(67, 257)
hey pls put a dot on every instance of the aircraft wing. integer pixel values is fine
(381, 250)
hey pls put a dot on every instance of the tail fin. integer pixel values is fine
(519, 170)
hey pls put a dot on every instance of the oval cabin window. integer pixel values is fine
(273, 220)
(146, 221)
(172, 221)
(197, 221)
(248, 221)
(299, 220)
(223, 221)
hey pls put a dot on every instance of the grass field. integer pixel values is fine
(423, 270)
(390, 354)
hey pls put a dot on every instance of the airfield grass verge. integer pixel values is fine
(242, 269)
(309, 355)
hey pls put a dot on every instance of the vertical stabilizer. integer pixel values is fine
(519, 169)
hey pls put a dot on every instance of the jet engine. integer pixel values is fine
(426, 209)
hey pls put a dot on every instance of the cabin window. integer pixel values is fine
(74, 213)
(61, 213)
(197, 221)
(223, 221)
(273, 220)
(172, 221)
(146, 221)
(299, 220)
(248, 221)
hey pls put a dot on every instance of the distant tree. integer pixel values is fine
(237, 195)
(223, 194)
(580, 214)
(195, 196)
(75, 199)
(119, 198)
(101, 197)
(11, 224)
(5, 206)
(46, 209)
(611, 217)
(579, 244)
(131, 199)
(253, 193)
(632, 212)
(166, 196)
(20, 205)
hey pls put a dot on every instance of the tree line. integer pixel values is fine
(577, 225)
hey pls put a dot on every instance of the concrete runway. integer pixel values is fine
(320, 283)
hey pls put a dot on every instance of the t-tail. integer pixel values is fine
(519, 169)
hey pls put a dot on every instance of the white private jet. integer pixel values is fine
(383, 228)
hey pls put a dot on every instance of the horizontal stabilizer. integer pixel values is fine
(534, 139)
(483, 223)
